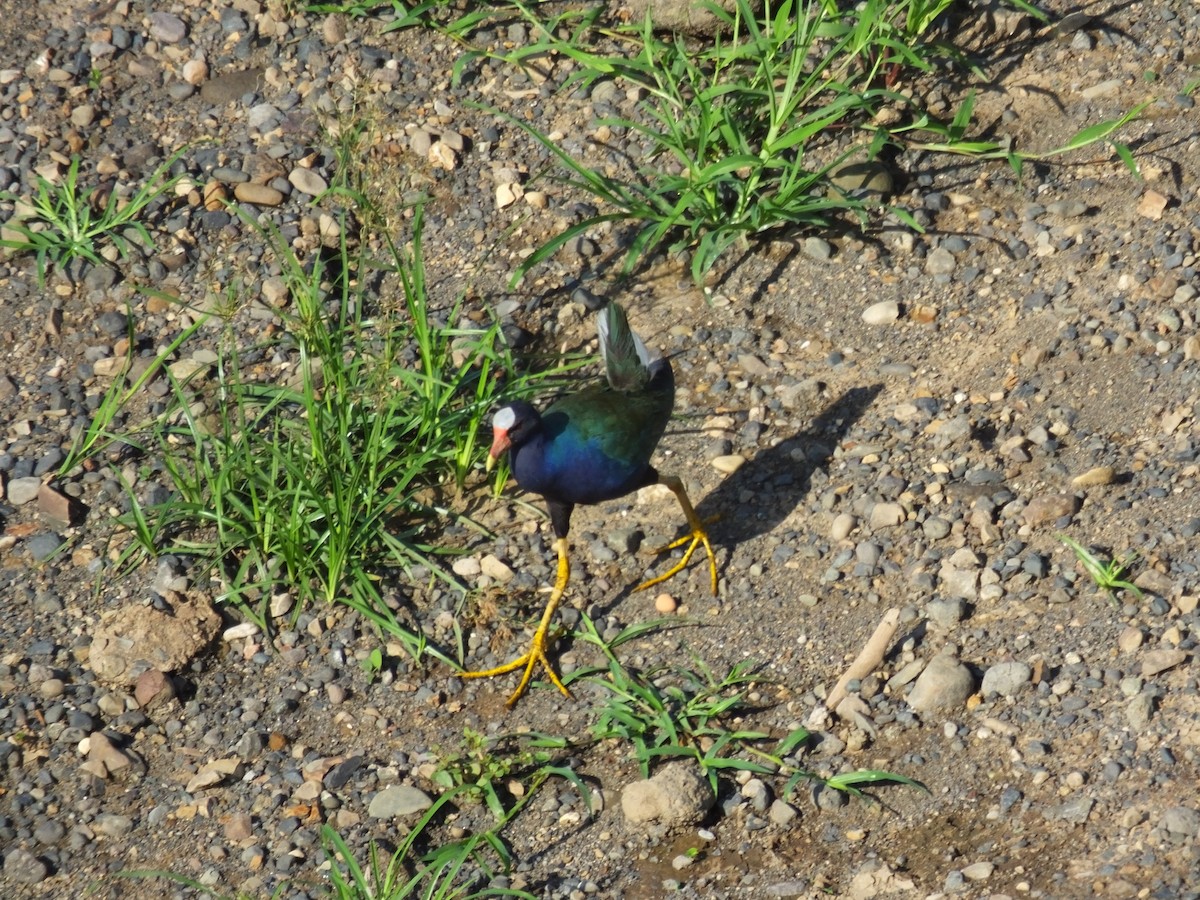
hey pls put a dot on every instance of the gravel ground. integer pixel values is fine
(895, 421)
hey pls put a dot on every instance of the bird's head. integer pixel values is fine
(511, 426)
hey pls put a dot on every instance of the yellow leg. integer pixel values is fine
(537, 648)
(698, 536)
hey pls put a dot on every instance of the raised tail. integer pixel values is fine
(626, 359)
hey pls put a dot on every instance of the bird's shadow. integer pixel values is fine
(764, 491)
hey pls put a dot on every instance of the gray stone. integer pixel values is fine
(946, 613)
(940, 262)
(113, 825)
(944, 685)
(1075, 811)
(1006, 678)
(23, 867)
(398, 800)
(307, 181)
(1139, 711)
(231, 86)
(42, 546)
(167, 27)
(1180, 820)
(817, 248)
(23, 490)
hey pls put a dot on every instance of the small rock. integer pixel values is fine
(307, 181)
(238, 827)
(153, 689)
(676, 796)
(980, 871)
(104, 758)
(23, 490)
(257, 194)
(239, 632)
(818, 248)
(498, 571)
(940, 262)
(1094, 477)
(843, 524)
(729, 464)
(398, 800)
(946, 613)
(961, 583)
(1074, 811)
(885, 312)
(1152, 205)
(1049, 508)
(195, 71)
(508, 193)
(466, 567)
(1131, 639)
(886, 515)
(23, 867)
(1181, 821)
(1160, 660)
(944, 685)
(1109, 88)
(167, 27)
(1140, 711)
(1006, 678)
(782, 813)
(42, 546)
(130, 640)
(113, 825)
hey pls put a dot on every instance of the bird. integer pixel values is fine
(588, 447)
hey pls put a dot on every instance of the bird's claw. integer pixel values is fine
(535, 655)
(697, 536)
(537, 647)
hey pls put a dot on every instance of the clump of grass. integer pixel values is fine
(328, 478)
(687, 714)
(743, 132)
(489, 768)
(64, 221)
(1107, 576)
(459, 870)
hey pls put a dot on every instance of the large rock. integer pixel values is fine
(135, 639)
(677, 795)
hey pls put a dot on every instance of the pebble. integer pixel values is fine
(1100, 475)
(886, 515)
(728, 464)
(1049, 508)
(1162, 659)
(397, 801)
(885, 312)
(23, 867)
(167, 27)
(843, 525)
(980, 871)
(493, 568)
(1006, 678)
(257, 194)
(23, 490)
(307, 181)
(945, 684)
